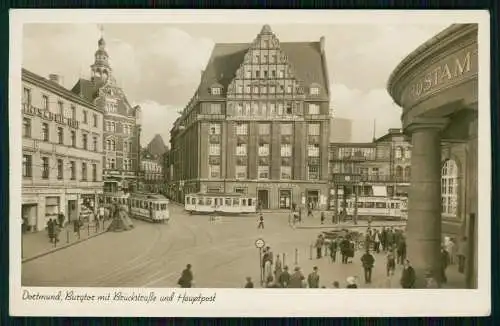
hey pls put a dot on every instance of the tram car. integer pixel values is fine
(377, 208)
(149, 207)
(221, 203)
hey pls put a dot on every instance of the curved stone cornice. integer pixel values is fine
(441, 43)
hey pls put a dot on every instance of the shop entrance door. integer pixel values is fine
(285, 199)
(313, 196)
(263, 198)
(71, 209)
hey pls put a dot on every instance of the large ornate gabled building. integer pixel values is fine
(257, 124)
(122, 123)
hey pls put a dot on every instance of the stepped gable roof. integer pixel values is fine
(157, 146)
(305, 58)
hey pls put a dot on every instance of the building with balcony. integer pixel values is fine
(257, 124)
(152, 179)
(122, 123)
(381, 167)
(437, 88)
(62, 152)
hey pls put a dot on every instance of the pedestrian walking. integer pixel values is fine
(261, 221)
(50, 230)
(277, 267)
(186, 279)
(318, 245)
(296, 279)
(462, 253)
(401, 251)
(284, 278)
(313, 278)
(333, 250)
(368, 261)
(322, 217)
(310, 209)
(444, 262)
(344, 249)
(376, 241)
(407, 276)
(383, 239)
(336, 285)
(391, 263)
(77, 225)
(249, 283)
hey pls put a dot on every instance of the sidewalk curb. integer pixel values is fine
(350, 226)
(25, 260)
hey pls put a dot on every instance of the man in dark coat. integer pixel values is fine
(344, 249)
(284, 278)
(313, 278)
(333, 250)
(408, 276)
(445, 261)
(383, 239)
(368, 261)
(249, 283)
(401, 251)
(186, 279)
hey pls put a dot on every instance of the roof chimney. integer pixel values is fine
(55, 78)
(322, 44)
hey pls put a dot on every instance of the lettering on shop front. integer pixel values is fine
(50, 116)
(454, 68)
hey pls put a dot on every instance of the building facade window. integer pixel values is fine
(313, 108)
(72, 168)
(60, 169)
(314, 91)
(27, 166)
(242, 129)
(73, 112)
(94, 144)
(96, 121)
(85, 141)
(216, 90)
(286, 172)
(263, 149)
(399, 152)
(241, 149)
(126, 164)
(45, 131)
(45, 167)
(215, 108)
(263, 172)
(449, 188)
(110, 163)
(26, 127)
(214, 149)
(94, 172)
(27, 96)
(313, 150)
(313, 172)
(314, 129)
(84, 171)
(85, 117)
(73, 138)
(407, 173)
(214, 171)
(45, 102)
(60, 135)
(60, 106)
(286, 150)
(407, 153)
(399, 172)
(215, 129)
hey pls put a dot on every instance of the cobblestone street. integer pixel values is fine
(222, 255)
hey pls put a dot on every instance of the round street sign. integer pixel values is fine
(259, 243)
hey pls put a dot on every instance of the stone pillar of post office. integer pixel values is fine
(424, 206)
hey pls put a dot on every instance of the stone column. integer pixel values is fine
(424, 205)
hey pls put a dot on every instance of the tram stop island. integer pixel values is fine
(437, 87)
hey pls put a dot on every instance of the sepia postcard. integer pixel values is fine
(249, 163)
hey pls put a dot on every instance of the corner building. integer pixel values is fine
(437, 87)
(122, 123)
(62, 152)
(257, 124)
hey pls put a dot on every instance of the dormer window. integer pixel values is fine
(216, 90)
(314, 91)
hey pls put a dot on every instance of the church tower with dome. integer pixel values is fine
(121, 123)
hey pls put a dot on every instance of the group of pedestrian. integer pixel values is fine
(54, 229)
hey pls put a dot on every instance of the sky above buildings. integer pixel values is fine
(159, 65)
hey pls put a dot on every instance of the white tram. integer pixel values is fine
(149, 207)
(225, 203)
(378, 208)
